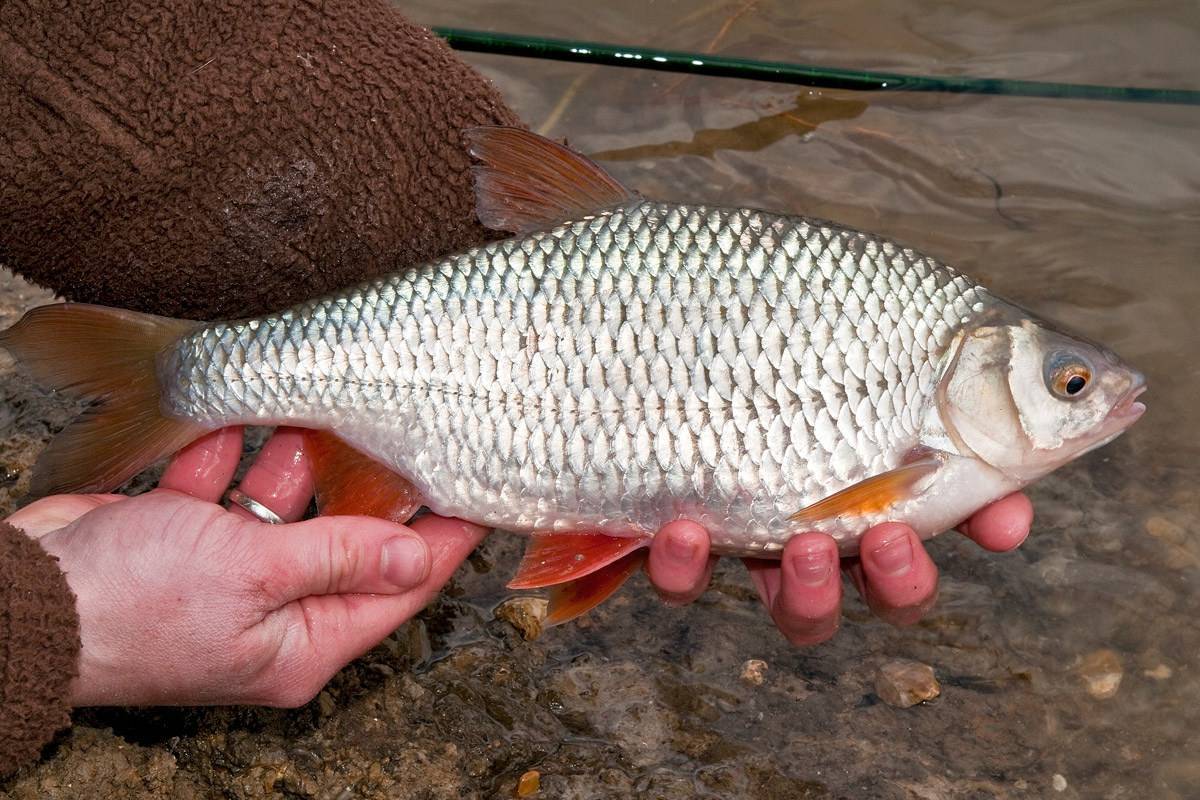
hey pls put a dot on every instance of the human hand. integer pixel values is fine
(181, 601)
(803, 590)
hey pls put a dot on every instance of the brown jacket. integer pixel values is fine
(210, 158)
(39, 645)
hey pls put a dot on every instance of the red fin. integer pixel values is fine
(873, 494)
(526, 182)
(106, 355)
(570, 600)
(552, 558)
(350, 482)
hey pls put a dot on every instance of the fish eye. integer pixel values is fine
(1067, 375)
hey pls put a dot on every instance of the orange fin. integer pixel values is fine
(873, 494)
(525, 182)
(552, 558)
(570, 600)
(108, 356)
(350, 482)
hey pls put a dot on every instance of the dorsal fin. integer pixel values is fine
(525, 182)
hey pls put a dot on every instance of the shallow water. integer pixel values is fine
(1087, 213)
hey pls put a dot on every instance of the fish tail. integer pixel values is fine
(107, 356)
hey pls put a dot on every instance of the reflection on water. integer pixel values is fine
(1069, 666)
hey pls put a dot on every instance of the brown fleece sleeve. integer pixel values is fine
(39, 648)
(220, 158)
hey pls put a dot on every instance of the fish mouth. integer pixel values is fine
(1127, 408)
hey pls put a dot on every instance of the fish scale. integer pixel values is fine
(619, 371)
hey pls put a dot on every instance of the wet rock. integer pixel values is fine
(904, 684)
(325, 704)
(1101, 672)
(410, 642)
(754, 672)
(525, 613)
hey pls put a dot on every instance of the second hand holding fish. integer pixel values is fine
(803, 590)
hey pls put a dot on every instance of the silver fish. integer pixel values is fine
(622, 363)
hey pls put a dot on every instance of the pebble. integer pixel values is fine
(1059, 783)
(525, 613)
(1160, 673)
(1101, 672)
(325, 704)
(903, 684)
(1165, 529)
(529, 783)
(754, 672)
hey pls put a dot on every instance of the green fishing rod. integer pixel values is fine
(615, 55)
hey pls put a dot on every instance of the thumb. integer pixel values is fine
(342, 555)
(57, 511)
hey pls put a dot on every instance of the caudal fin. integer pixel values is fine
(107, 356)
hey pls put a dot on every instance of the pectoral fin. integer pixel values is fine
(871, 495)
(350, 482)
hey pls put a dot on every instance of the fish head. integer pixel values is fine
(1027, 398)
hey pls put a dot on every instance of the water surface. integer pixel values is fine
(1087, 213)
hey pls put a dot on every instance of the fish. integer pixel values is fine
(615, 364)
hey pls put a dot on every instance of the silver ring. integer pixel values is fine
(254, 507)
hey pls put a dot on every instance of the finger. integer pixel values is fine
(897, 577)
(347, 625)
(328, 631)
(205, 467)
(51, 513)
(679, 564)
(339, 555)
(804, 593)
(280, 477)
(1001, 526)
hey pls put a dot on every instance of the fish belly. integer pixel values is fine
(645, 364)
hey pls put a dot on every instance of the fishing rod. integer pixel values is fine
(616, 55)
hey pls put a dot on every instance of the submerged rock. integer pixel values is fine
(903, 684)
(1101, 672)
(754, 672)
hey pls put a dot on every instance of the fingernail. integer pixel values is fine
(895, 555)
(405, 561)
(813, 567)
(681, 549)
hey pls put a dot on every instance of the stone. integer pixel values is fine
(1159, 673)
(529, 783)
(903, 683)
(1101, 673)
(754, 672)
(525, 613)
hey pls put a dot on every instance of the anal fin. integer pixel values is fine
(350, 482)
(573, 599)
(871, 495)
(554, 558)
